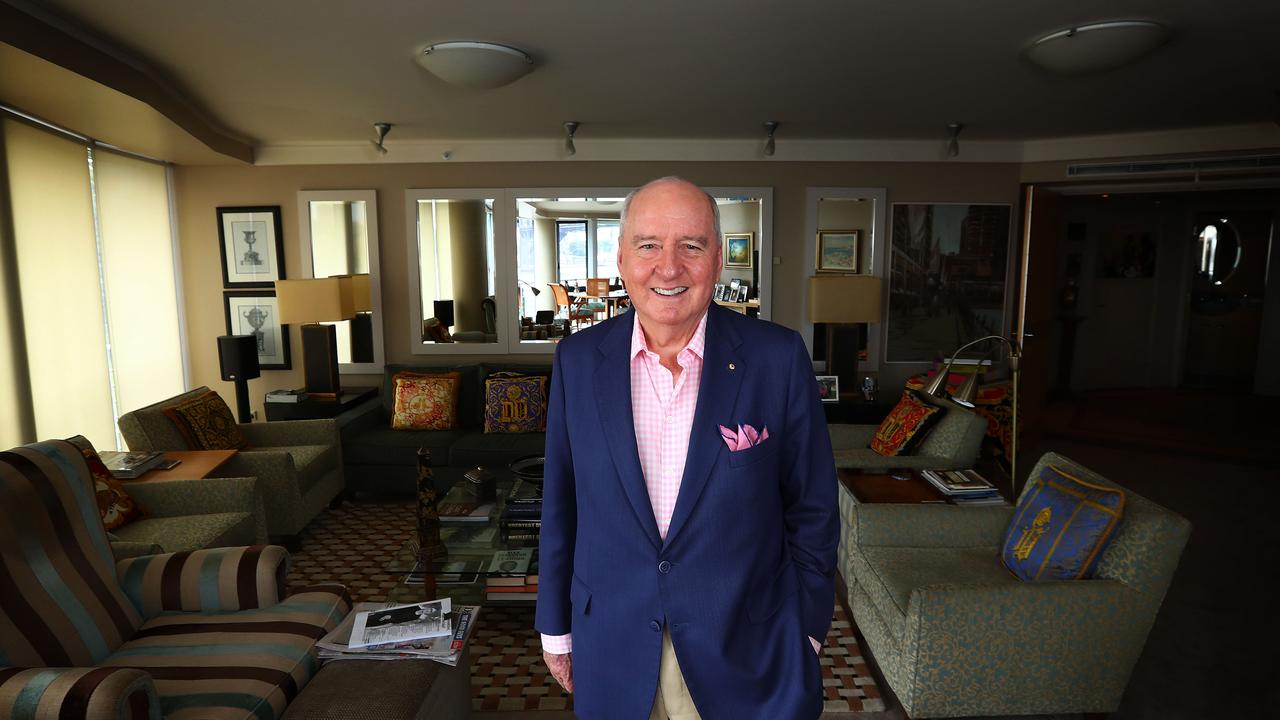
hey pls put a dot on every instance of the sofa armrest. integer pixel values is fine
(96, 692)
(125, 549)
(361, 417)
(277, 479)
(929, 525)
(849, 437)
(210, 580)
(291, 432)
(870, 460)
(175, 498)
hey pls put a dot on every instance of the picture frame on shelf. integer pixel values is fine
(739, 249)
(838, 251)
(719, 292)
(249, 312)
(829, 388)
(251, 243)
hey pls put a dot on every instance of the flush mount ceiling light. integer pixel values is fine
(1096, 47)
(953, 139)
(570, 128)
(770, 127)
(475, 65)
(380, 129)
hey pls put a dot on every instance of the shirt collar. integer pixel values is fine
(697, 343)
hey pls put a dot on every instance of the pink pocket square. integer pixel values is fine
(744, 437)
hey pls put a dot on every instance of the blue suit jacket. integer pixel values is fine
(746, 572)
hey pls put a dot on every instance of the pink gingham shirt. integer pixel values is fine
(662, 409)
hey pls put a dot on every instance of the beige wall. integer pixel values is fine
(201, 189)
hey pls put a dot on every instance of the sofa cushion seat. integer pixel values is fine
(890, 574)
(191, 532)
(383, 446)
(478, 448)
(246, 664)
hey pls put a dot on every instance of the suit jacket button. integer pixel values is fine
(664, 567)
(654, 626)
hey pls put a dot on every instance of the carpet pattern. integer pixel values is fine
(352, 544)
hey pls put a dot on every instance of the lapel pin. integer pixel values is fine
(732, 366)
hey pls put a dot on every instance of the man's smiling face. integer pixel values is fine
(669, 255)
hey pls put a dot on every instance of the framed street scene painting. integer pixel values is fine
(838, 251)
(257, 313)
(946, 277)
(252, 246)
(738, 249)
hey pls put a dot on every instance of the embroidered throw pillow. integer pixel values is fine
(115, 507)
(905, 425)
(425, 401)
(515, 403)
(206, 423)
(1061, 527)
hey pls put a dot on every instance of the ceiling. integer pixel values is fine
(323, 71)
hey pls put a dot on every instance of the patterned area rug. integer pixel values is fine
(353, 543)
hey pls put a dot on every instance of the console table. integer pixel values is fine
(316, 409)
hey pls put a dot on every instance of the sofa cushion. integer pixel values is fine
(237, 664)
(905, 425)
(479, 448)
(515, 403)
(470, 404)
(890, 574)
(425, 401)
(1061, 527)
(206, 423)
(384, 446)
(192, 532)
(115, 507)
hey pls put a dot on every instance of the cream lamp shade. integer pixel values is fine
(355, 290)
(844, 299)
(315, 300)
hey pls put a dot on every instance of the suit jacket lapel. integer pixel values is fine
(613, 398)
(717, 401)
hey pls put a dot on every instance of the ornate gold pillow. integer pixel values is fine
(206, 423)
(115, 507)
(905, 425)
(426, 401)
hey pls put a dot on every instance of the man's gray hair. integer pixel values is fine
(626, 204)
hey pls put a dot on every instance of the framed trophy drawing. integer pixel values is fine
(252, 246)
(256, 313)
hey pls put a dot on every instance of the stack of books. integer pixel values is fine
(460, 505)
(963, 487)
(522, 520)
(286, 396)
(513, 577)
(130, 465)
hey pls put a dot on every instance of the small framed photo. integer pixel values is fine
(719, 291)
(739, 249)
(744, 291)
(257, 313)
(838, 251)
(829, 388)
(252, 245)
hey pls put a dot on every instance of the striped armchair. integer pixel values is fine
(203, 634)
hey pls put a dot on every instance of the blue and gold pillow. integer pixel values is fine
(1061, 527)
(515, 403)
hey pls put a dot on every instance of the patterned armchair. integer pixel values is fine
(955, 633)
(298, 463)
(204, 634)
(952, 443)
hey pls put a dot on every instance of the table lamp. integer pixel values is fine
(839, 300)
(309, 303)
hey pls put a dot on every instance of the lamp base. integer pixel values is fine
(320, 361)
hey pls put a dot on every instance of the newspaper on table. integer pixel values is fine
(445, 649)
(401, 623)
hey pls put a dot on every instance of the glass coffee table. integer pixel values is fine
(471, 546)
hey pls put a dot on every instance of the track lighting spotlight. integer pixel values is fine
(570, 128)
(770, 127)
(381, 129)
(953, 139)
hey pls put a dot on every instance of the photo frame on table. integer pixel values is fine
(838, 251)
(739, 249)
(829, 388)
(252, 246)
(250, 312)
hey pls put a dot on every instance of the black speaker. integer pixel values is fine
(238, 357)
(444, 311)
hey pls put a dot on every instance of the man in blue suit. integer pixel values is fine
(689, 522)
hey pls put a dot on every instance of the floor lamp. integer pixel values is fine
(968, 392)
(843, 299)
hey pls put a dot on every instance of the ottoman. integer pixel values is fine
(386, 690)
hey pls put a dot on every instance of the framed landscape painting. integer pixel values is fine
(946, 277)
(252, 246)
(838, 251)
(738, 249)
(257, 313)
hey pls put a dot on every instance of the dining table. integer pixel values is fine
(612, 300)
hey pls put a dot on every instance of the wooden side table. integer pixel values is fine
(869, 487)
(193, 465)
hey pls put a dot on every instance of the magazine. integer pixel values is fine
(509, 567)
(446, 649)
(953, 482)
(401, 623)
(130, 465)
